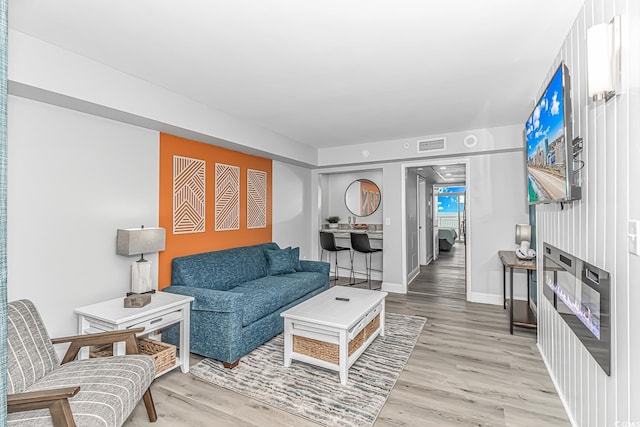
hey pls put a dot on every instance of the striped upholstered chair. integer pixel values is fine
(42, 391)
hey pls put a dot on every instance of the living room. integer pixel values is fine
(85, 159)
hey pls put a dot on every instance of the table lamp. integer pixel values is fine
(523, 238)
(138, 241)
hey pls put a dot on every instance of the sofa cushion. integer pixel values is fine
(266, 295)
(280, 261)
(221, 270)
(295, 258)
(307, 279)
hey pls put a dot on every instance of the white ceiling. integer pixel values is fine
(443, 174)
(328, 72)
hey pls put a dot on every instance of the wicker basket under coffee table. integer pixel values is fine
(333, 328)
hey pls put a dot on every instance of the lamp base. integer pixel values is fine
(133, 300)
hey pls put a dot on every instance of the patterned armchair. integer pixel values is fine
(93, 392)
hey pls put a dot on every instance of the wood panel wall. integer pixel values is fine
(595, 229)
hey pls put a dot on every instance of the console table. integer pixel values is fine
(524, 316)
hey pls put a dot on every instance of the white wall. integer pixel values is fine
(411, 221)
(496, 202)
(496, 185)
(291, 205)
(428, 221)
(488, 140)
(595, 229)
(44, 72)
(73, 179)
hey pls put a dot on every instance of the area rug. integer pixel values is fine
(316, 393)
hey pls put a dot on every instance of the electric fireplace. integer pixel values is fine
(580, 292)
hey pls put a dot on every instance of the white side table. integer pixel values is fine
(165, 309)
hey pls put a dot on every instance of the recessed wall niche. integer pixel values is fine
(332, 201)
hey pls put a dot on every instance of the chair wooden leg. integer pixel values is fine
(151, 407)
(61, 415)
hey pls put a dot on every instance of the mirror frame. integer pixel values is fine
(377, 200)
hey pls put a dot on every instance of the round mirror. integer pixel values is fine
(362, 197)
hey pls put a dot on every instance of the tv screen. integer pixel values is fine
(550, 174)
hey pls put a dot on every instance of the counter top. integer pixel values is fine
(353, 230)
(345, 233)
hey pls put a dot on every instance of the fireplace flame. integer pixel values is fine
(583, 313)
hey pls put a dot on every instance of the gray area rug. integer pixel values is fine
(315, 393)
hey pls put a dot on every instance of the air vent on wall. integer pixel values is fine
(431, 145)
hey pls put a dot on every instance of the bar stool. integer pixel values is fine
(328, 243)
(360, 243)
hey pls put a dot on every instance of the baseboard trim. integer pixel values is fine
(413, 275)
(483, 298)
(493, 299)
(393, 287)
(428, 261)
(555, 385)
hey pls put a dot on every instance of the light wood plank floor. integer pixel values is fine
(465, 370)
(443, 277)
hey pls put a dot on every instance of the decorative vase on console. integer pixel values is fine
(333, 221)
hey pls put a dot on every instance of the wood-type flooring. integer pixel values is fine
(443, 277)
(466, 370)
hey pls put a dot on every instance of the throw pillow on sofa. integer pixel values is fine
(295, 258)
(280, 261)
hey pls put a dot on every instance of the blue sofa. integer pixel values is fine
(238, 302)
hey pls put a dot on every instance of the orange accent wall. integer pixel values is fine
(209, 240)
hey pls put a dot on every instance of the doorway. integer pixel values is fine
(451, 214)
(439, 212)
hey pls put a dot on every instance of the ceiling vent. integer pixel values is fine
(429, 145)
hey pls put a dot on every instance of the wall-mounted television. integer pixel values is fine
(549, 149)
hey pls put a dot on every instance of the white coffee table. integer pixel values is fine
(331, 333)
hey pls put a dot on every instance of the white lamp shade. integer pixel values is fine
(603, 59)
(523, 233)
(598, 59)
(136, 241)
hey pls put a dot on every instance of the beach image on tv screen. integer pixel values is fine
(545, 134)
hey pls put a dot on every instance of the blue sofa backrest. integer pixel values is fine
(221, 270)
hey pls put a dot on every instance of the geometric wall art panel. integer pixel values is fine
(188, 195)
(256, 199)
(227, 208)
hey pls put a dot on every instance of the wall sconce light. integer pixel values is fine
(603, 59)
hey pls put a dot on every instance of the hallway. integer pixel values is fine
(443, 277)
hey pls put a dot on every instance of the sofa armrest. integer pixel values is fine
(315, 266)
(209, 299)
